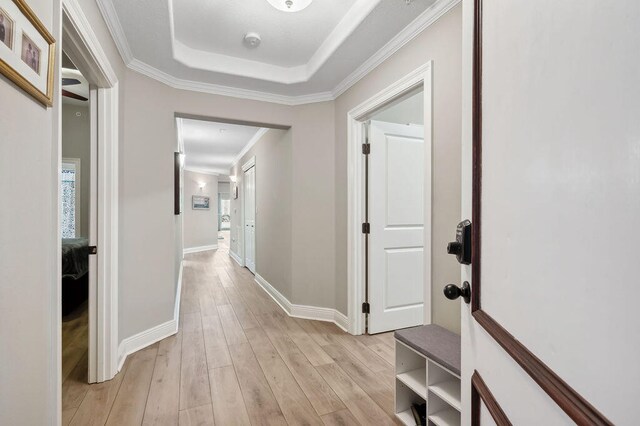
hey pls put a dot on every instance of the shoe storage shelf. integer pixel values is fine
(428, 371)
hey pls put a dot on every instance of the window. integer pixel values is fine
(70, 190)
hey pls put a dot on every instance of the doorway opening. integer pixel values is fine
(389, 241)
(77, 220)
(88, 209)
(222, 152)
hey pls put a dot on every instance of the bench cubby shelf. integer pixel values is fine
(428, 371)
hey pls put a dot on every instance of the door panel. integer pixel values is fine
(396, 197)
(552, 136)
(405, 178)
(404, 267)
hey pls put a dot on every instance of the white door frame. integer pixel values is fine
(83, 48)
(246, 166)
(421, 77)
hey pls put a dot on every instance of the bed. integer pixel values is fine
(75, 268)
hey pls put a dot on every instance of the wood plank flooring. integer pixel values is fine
(238, 359)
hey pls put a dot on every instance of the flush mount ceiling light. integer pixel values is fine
(290, 5)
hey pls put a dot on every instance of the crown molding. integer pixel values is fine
(115, 28)
(411, 31)
(216, 89)
(259, 134)
(422, 22)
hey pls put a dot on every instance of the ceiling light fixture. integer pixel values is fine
(290, 5)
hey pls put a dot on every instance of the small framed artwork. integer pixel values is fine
(235, 191)
(200, 202)
(27, 50)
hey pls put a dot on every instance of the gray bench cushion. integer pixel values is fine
(435, 343)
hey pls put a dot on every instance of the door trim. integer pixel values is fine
(419, 78)
(570, 401)
(480, 393)
(84, 49)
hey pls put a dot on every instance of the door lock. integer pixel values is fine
(461, 247)
(452, 292)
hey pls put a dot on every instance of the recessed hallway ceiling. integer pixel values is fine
(212, 147)
(304, 56)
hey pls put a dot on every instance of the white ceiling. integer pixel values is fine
(219, 27)
(305, 56)
(212, 147)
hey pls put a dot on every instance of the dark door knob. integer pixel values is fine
(452, 292)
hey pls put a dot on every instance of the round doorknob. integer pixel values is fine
(452, 292)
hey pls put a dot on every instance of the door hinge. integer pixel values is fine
(365, 308)
(366, 228)
(93, 250)
(366, 148)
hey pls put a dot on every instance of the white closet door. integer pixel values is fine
(250, 219)
(396, 250)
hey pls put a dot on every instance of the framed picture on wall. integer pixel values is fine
(235, 191)
(27, 50)
(200, 202)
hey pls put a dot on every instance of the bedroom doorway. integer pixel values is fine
(88, 210)
(77, 222)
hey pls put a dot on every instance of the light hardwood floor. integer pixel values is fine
(238, 359)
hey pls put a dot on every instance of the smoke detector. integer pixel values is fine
(252, 40)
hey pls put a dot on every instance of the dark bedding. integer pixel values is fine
(75, 257)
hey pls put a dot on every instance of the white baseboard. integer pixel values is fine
(304, 311)
(142, 340)
(199, 249)
(236, 258)
(149, 337)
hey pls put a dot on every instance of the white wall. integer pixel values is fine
(29, 244)
(200, 227)
(273, 155)
(76, 143)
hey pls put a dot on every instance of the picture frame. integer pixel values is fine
(27, 51)
(235, 191)
(200, 202)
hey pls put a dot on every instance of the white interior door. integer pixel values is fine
(396, 217)
(552, 329)
(250, 219)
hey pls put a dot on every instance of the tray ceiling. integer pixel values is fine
(305, 56)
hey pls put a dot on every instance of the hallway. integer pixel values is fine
(239, 359)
